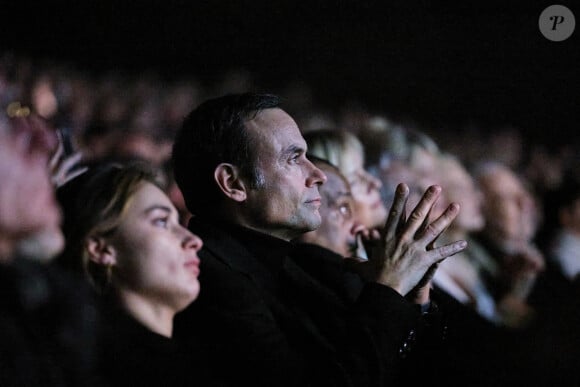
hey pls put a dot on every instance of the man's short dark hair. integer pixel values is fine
(211, 134)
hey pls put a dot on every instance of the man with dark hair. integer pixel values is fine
(241, 163)
(198, 152)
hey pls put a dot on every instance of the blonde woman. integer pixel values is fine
(123, 234)
(344, 150)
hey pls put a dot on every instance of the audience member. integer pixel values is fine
(561, 243)
(462, 277)
(511, 221)
(398, 154)
(241, 164)
(338, 229)
(550, 346)
(47, 319)
(344, 150)
(124, 236)
(464, 293)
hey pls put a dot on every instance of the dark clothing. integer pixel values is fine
(48, 325)
(133, 355)
(264, 318)
(478, 352)
(553, 340)
(543, 353)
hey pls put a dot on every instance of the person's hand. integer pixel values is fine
(365, 238)
(420, 294)
(405, 257)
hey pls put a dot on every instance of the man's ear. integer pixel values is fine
(230, 182)
(100, 251)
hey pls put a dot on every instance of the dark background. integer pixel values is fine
(441, 64)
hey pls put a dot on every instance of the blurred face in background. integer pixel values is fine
(369, 207)
(398, 172)
(510, 210)
(337, 230)
(459, 187)
(29, 214)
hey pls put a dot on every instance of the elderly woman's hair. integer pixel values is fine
(385, 141)
(332, 145)
(93, 204)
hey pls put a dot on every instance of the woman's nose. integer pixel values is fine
(192, 241)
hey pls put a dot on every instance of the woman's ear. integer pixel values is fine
(100, 251)
(230, 182)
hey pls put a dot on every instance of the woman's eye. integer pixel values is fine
(345, 210)
(161, 222)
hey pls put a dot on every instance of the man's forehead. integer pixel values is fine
(501, 180)
(270, 117)
(275, 127)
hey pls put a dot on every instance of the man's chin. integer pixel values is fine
(314, 223)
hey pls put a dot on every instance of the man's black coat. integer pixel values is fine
(274, 314)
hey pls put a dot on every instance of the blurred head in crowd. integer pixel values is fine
(29, 214)
(343, 149)
(396, 154)
(510, 210)
(396, 172)
(460, 187)
(338, 229)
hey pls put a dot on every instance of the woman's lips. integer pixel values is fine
(193, 266)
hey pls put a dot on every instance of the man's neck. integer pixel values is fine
(277, 232)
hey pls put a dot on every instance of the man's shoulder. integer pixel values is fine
(318, 261)
(327, 268)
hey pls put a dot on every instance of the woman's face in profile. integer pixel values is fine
(369, 207)
(155, 255)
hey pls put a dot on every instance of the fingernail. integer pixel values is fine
(401, 188)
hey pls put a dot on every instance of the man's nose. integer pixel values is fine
(315, 176)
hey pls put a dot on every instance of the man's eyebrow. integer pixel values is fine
(293, 149)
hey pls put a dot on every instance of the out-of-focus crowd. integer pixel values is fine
(515, 285)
